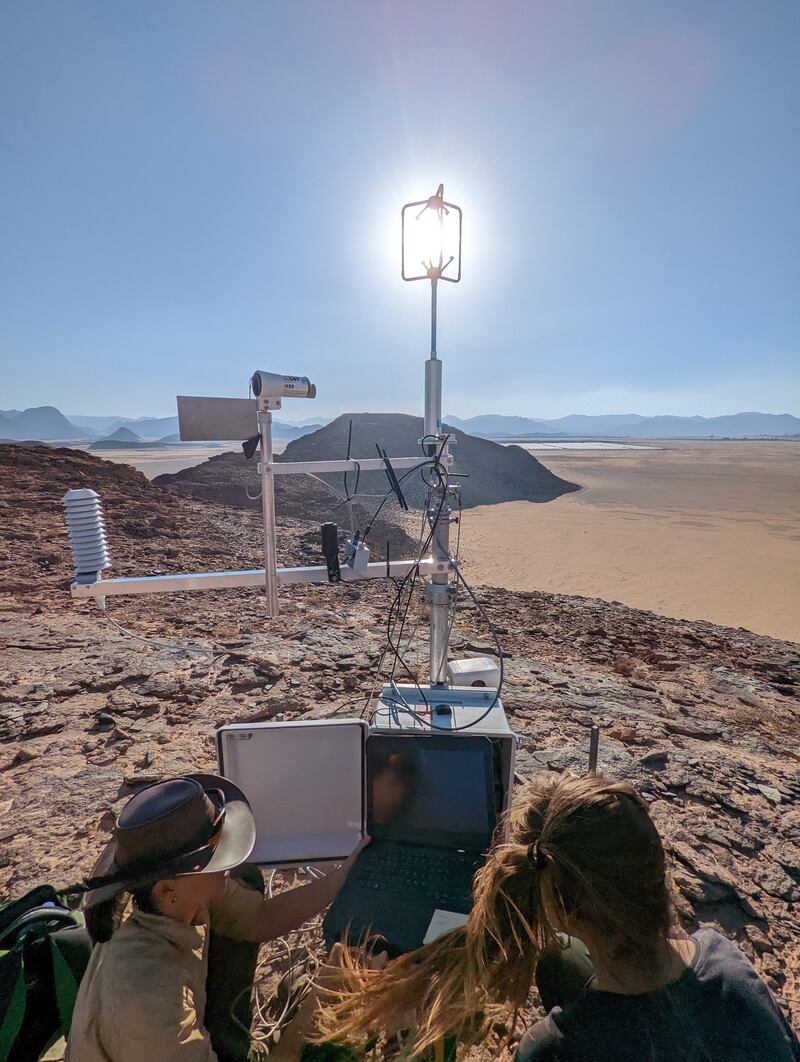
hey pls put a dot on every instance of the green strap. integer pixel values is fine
(15, 1011)
(66, 985)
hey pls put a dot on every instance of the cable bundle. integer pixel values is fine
(437, 480)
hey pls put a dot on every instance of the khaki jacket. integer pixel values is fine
(143, 996)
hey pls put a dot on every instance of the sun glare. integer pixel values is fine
(431, 240)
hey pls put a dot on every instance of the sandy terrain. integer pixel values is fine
(172, 459)
(695, 530)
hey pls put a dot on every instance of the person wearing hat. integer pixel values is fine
(169, 981)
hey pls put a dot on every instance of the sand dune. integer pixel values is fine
(695, 530)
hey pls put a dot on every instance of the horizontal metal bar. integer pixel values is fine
(375, 570)
(369, 464)
(165, 584)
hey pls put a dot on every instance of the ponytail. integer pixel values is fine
(103, 919)
(581, 848)
(460, 982)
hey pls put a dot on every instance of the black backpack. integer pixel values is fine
(44, 950)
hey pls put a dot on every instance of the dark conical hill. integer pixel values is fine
(496, 473)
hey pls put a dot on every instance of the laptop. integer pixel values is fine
(431, 815)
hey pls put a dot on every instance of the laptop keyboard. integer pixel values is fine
(442, 874)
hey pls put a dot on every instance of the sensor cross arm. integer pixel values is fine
(164, 584)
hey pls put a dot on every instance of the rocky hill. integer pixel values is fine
(704, 720)
(119, 437)
(494, 473)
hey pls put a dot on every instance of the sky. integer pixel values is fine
(190, 191)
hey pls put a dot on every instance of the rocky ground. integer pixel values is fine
(704, 720)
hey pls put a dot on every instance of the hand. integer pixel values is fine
(362, 844)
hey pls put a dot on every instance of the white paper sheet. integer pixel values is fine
(442, 922)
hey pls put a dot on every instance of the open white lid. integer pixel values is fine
(305, 784)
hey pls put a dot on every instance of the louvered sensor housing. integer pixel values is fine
(87, 534)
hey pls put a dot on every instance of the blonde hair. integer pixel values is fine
(585, 848)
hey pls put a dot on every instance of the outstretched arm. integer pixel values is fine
(244, 914)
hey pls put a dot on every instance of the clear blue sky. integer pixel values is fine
(192, 190)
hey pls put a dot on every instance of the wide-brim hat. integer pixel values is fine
(195, 824)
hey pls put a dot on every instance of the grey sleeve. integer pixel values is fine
(541, 1042)
(749, 1000)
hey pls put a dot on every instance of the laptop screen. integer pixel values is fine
(430, 790)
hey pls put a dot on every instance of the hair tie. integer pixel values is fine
(537, 857)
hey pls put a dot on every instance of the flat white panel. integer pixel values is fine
(305, 784)
(208, 419)
(467, 704)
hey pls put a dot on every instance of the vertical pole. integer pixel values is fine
(268, 508)
(433, 379)
(433, 401)
(434, 307)
(594, 741)
(439, 587)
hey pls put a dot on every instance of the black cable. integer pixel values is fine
(438, 459)
(389, 493)
(397, 584)
(400, 702)
(395, 647)
(415, 570)
(396, 604)
(394, 617)
(496, 698)
(349, 497)
(412, 573)
(441, 473)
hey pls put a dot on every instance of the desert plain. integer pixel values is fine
(690, 529)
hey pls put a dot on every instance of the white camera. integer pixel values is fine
(273, 385)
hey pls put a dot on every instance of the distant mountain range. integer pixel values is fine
(738, 425)
(43, 423)
(48, 424)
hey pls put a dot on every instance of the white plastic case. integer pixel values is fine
(305, 781)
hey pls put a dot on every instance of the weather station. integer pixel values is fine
(459, 703)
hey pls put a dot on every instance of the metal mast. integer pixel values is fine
(435, 259)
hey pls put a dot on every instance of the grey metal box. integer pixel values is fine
(415, 709)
